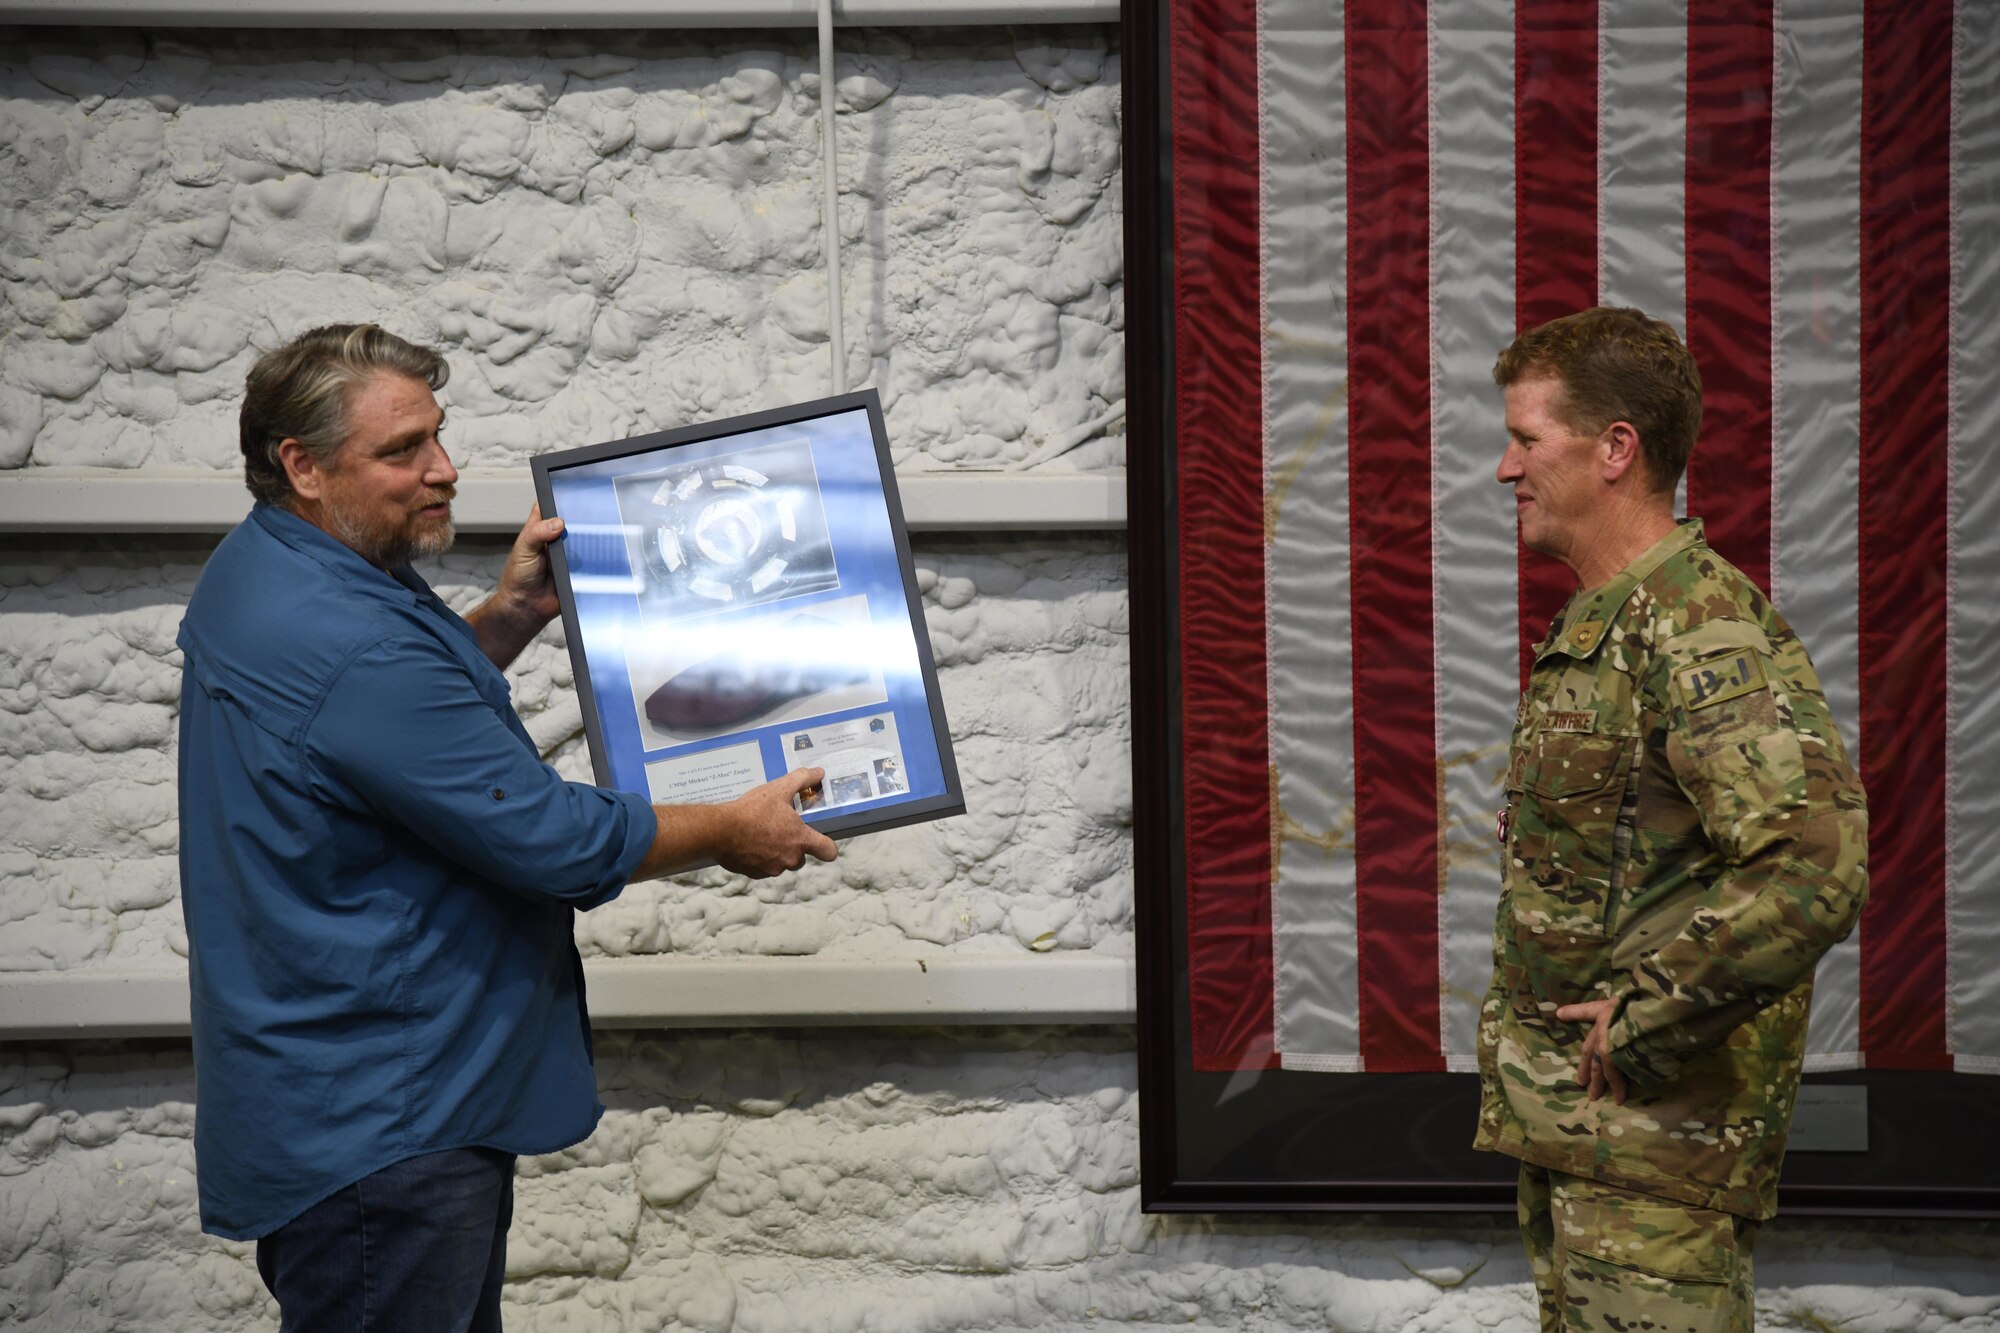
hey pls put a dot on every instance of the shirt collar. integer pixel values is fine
(1590, 612)
(342, 559)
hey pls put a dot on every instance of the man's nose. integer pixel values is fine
(440, 472)
(1509, 470)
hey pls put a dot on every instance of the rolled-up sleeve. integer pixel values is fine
(406, 733)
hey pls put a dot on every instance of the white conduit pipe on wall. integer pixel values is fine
(836, 346)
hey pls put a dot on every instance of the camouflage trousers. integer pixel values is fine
(1611, 1260)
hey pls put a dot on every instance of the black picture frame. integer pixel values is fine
(1290, 1141)
(680, 492)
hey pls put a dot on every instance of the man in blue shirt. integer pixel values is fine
(378, 870)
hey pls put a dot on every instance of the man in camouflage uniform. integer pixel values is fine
(1684, 838)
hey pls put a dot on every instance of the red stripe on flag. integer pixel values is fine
(1555, 216)
(1388, 397)
(1729, 84)
(1218, 409)
(1905, 367)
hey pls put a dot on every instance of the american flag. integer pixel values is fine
(1368, 202)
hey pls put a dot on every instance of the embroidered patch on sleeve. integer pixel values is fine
(1719, 678)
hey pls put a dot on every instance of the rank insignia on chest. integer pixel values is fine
(1570, 722)
(1720, 678)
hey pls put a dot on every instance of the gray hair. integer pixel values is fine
(300, 392)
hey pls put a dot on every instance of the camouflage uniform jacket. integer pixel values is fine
(1684, 835)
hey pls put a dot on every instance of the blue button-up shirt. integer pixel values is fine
(378, 874)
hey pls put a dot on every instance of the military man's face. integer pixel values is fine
(1552, 468)
(387, 490)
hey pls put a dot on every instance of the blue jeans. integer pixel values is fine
(419, 1246)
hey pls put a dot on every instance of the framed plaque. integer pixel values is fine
(740, 603)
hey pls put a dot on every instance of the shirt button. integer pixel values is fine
(499, 794)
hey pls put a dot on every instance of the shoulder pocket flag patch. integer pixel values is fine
(1719, 678)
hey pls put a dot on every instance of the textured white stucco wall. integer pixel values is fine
(1030, 647)
(901, 1182)
(611, 235)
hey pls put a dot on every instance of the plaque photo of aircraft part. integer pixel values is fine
(739, 603)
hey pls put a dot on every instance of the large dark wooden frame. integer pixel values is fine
(1288, 1141)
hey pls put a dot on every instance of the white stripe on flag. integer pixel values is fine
(1642, 157)
(1303, 239)
(1973, 798)
(1642, 162)
(1476, 601)
(1816, 343)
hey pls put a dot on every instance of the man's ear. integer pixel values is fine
(1618, 450)
(301, 469)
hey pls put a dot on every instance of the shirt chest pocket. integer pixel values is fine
(1572, 787)
(1568, 791)
(487, 679)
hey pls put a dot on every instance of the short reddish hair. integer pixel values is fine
(1617, 364)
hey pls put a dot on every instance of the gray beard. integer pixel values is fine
(389, 554)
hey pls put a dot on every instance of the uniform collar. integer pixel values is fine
(1580, 628)
(340, 558)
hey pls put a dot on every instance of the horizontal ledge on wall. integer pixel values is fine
(497, 500)
(730, 992)
(1067, 988)
(542, 14)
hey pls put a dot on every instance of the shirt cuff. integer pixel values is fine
(641, 829)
